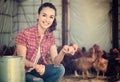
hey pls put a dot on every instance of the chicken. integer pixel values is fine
(100, 64)
(116, 51)
(84, 63)
(117, 59)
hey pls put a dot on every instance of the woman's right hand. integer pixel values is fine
(39, 68)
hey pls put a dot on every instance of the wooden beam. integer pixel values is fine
(64, 22)
(115, 42)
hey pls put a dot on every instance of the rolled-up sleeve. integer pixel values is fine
(21, 38)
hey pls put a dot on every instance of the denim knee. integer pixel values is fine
(61, 70)
(56, 73)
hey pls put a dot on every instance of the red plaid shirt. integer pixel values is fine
(30, 38)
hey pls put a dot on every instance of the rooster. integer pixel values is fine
(84, 63)
(100, 64)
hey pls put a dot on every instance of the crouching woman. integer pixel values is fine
(34, 43)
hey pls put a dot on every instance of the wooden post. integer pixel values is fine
(115, 43)
(64, 22)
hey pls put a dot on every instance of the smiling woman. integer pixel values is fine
(46, 17)
(36, 42)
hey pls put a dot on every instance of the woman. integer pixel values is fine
(35, 42)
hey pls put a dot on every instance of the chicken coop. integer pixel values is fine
(87, 23)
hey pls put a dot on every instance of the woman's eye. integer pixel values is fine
(52, 17)
(43, 15)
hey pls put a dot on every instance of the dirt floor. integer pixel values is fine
(72, 78)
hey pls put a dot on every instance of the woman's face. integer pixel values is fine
(46, 17)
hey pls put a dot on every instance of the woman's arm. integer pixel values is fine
(57, 58)
(21, 51)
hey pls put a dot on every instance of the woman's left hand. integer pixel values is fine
(69, 49)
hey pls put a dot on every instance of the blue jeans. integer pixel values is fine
(52, 74)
